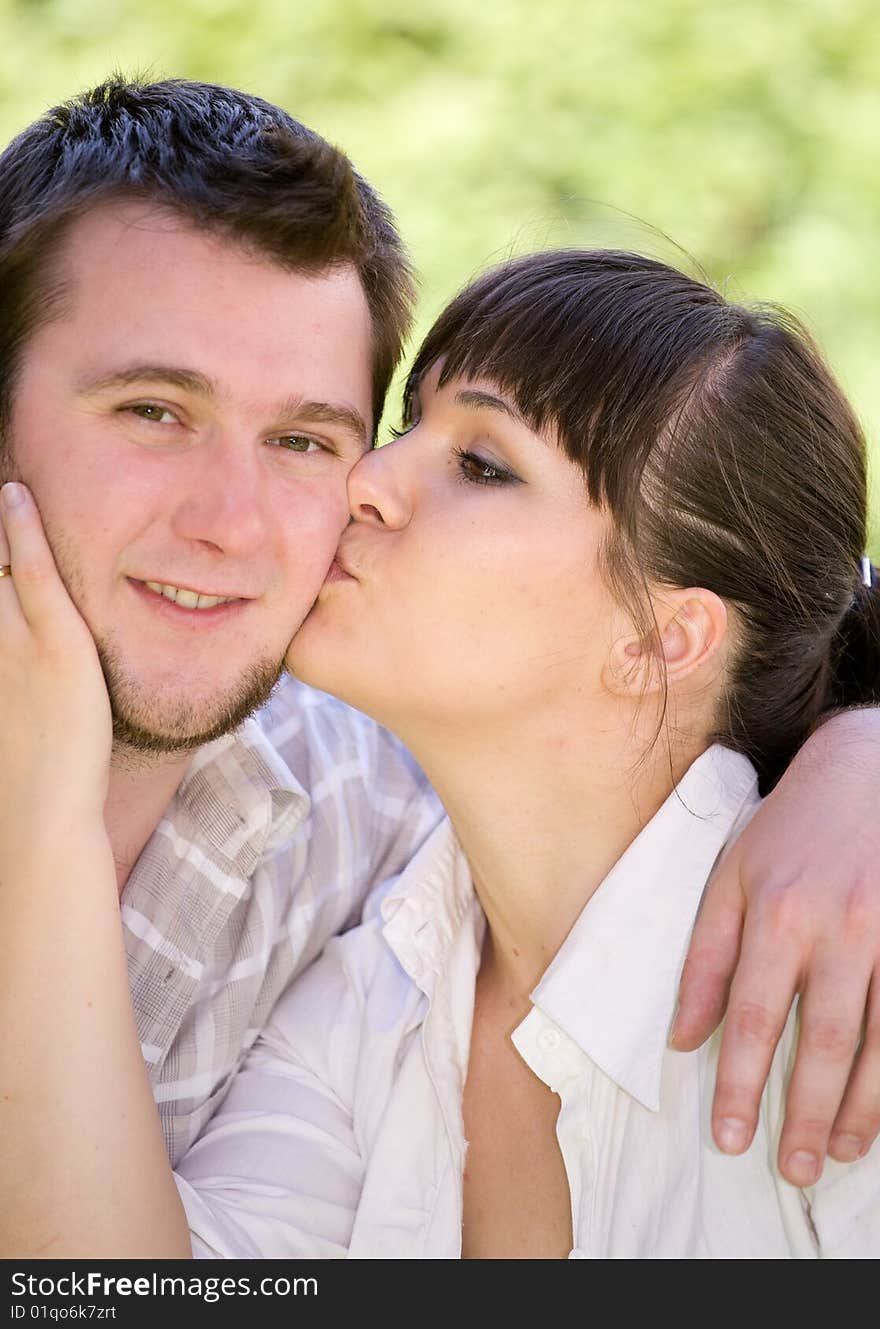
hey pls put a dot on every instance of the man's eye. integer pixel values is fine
(298, 443)
(148, 410)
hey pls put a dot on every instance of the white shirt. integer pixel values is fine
(343, 1133)
(268, 848)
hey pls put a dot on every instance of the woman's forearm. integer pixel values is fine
(84, 1171)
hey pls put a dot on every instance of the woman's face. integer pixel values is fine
(467, 588)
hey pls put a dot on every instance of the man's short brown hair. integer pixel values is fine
(231, 162)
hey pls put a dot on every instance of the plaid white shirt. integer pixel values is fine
(272, 842)
(343, 1135)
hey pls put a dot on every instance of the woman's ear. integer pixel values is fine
(691, 626)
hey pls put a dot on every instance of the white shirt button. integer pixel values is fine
(548, 1039)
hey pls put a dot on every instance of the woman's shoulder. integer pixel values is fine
(839, 1216)
(356, 990)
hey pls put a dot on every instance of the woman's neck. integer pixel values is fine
(543, 814)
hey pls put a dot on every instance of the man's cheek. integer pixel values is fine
(8, 466)
(68, 560)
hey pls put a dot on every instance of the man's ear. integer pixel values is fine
(691, 626)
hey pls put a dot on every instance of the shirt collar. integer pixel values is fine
(242, 797)
(426, 905)
(612, 986)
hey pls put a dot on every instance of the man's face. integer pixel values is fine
(188, 423)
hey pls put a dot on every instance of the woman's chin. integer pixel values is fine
(319, 669)
(317, 649)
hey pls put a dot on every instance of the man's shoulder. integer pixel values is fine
(317, 735)
(295, 709)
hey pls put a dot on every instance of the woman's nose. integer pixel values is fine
(377, 491)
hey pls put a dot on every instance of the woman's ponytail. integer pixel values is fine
(855, 661)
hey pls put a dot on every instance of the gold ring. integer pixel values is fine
(5, 569)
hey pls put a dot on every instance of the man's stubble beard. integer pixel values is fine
(137, 728)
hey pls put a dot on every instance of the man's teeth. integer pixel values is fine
(188, 599)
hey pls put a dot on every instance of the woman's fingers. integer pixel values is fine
(10, 609)
(39, 592)
(57, 728)
(4, 544)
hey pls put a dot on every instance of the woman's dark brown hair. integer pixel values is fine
(723, 449)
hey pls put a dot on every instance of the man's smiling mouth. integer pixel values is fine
(188, 599)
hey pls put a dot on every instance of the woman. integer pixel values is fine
(537, 621)
(641, 515)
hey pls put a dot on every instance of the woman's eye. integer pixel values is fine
(476, 470)
(148, 410)
(298, 443)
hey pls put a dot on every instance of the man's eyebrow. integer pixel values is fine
(190, 380)
(326, 413)
(480, 400)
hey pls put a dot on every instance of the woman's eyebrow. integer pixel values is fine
(480, 400)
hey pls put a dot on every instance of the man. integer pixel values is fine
(202, 306)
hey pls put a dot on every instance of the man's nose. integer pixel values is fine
(379, 490)
(221, 505)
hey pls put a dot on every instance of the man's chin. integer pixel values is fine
(131, 736)
(177, 726)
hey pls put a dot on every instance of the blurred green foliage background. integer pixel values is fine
(744, 131)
